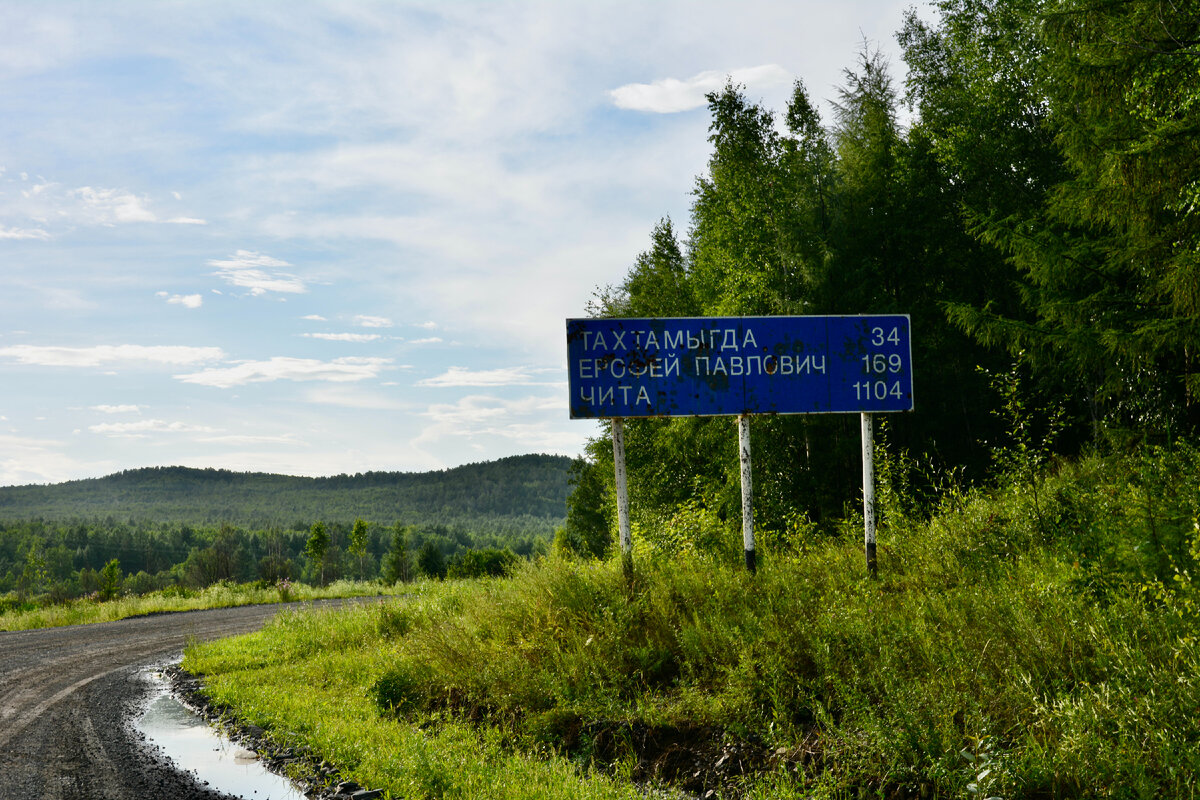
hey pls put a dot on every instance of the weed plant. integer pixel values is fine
(1016, 644)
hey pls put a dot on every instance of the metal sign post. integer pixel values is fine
(618, 437)
(739, 366)
(868, 464)
(747, 492)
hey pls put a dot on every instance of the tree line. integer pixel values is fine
(55, 562)
(1038, 219)
(507, 495)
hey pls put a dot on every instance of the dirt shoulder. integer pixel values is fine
(67, 696)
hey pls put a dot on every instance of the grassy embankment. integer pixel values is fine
(1036, 641)
(220, 595)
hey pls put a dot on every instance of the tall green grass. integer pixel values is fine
(1017, 644)
(220, 595)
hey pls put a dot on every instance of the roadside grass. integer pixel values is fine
(1033, 641)
(219, 595)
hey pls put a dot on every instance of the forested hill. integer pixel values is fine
(530, 486)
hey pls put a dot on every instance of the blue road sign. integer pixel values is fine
(704, 366)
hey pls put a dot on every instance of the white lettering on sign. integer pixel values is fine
(699, 366)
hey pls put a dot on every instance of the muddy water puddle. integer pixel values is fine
(195, 747)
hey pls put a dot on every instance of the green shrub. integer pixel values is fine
(483, 563)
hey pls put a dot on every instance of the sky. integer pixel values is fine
(316, 238)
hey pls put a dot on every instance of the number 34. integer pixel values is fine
(878, 337)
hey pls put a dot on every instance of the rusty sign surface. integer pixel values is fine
(707, 366)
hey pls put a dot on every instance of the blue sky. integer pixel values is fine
(315, 238)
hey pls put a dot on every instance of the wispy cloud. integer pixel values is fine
(256, 272)
(366, 321)
(185, 300)
(505, 376)
(23, 233)
(148, 426)
(49, 202)
(339, 370)
(100, 355)
(523, 420)
(241, 439)
(343, 337)
(109, 206)
(353, 397)
(30, 460)
(118, 409)
(671, 95)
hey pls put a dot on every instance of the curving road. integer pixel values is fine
(67, 695)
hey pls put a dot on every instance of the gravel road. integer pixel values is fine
(67, 696)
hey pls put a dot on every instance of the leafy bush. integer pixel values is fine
(990, 658)
(488, 562)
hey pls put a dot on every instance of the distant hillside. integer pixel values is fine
(532, 487)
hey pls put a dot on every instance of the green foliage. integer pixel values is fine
(110, 580)
(358, 543)
(1041, 206)
(487, 563)
(1072, 123)
(430, 561)
(316, 547)
(587, 532)
(859, 217)
(987, 659)
(657, 284)
(519, 495)
(398, 566)
(16, 615)
(1126, 106)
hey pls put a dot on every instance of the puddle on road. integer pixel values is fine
(197, 748)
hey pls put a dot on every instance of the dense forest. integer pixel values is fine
(512, 494)
(1038, 218)
(149, 529)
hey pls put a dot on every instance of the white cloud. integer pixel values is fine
(429, 340)
(108, 206)
(185, 300)
(118, 409)
(244, 439)
(671, 95)
(353, 397)
(505, 376)
(366, 321)
(340, 370)
(314, 318)
(247, 269)
(148, 426)
(23, 233)
(343, 337)
(48, 203)
(524, 421)
(429, 326)
(28, 460)
(50, 356)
